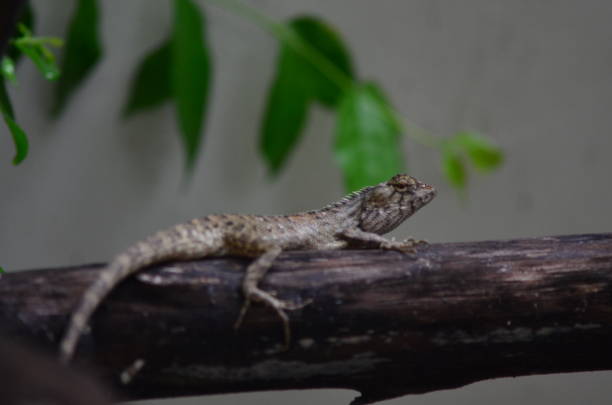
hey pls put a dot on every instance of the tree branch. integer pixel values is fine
(383, 323)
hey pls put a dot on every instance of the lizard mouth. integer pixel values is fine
(425, 194)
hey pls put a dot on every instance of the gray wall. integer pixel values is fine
(534, 75)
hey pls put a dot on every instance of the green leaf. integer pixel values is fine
(454, 168)
(482, 153)
(2, 270)
(7, 67)
(286, 112)
(20, 139)
(190, 75)
(82, 52)
(35, 49)
(151, 84)
(297, 84)
(42, 61)
(324, 39)
(5, 102)
(368, 143)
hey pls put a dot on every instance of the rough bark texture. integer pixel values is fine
(383, 323)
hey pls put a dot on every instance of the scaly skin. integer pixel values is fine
(356, 220)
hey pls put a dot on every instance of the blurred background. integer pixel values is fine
(534, 76)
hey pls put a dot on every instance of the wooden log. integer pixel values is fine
(383, 323)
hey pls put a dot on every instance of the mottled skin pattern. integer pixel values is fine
(357, 220)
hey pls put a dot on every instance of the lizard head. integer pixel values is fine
(388, 204)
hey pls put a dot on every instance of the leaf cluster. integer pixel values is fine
(180, 71)
(471, 147)
(314, 67)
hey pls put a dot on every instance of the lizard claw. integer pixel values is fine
(277, 305)
(245, 307)
(292, 306)
(420, 241)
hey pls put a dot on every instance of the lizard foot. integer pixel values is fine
(406, 246)
(277, 305)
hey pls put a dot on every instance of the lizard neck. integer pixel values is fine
(345, 209)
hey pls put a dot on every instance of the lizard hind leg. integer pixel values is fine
(254, 274)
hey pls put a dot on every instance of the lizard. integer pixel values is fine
(357, 220)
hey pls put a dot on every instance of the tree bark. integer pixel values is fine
(383, 323)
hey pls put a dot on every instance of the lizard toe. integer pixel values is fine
(292, 305)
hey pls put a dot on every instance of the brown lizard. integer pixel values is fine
(356, 220)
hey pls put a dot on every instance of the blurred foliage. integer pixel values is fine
(179, 71)
(151, 84)
(468, 147)
(297, 85)
(27, 20)
(8, 69)
(81, 54)
(368, 137)
(313, 67)
(35, 48)
(19, 137)
(190, 75)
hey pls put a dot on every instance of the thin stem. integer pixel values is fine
(53, 41)
(287, 36)
(250, 13)
(419, 134)
(318, 60)
(284, 34)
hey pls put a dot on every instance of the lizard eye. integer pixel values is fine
(402, 187)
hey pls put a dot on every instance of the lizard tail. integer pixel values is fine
(120, 268)
(134, 259)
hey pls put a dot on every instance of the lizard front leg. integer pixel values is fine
(374, 240)
(254, 274)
